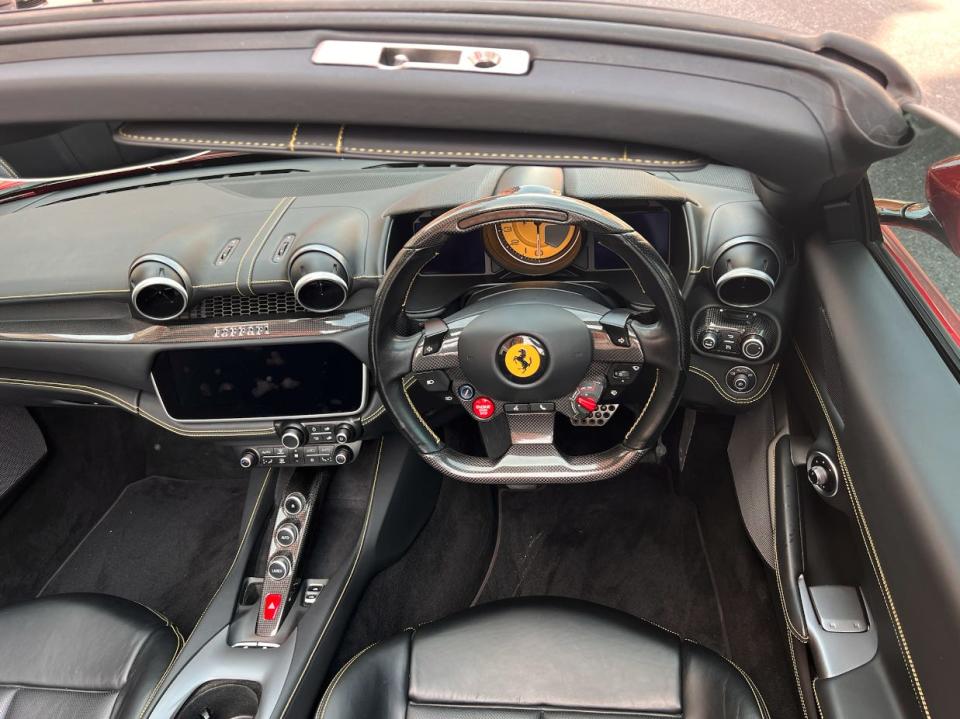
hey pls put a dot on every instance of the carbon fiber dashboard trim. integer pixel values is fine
(135, 332)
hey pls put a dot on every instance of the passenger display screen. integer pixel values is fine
(259, 382)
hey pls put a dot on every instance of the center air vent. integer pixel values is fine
(319, 277)
(237, 306)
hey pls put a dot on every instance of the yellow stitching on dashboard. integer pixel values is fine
(521, 156)
(293, 137)
(130, 407)
(195, 141)
(284, 205)
(738, 400)
(339, 149)
(867, 537)
(64, 294)
(346, 584)
(212, 285)
(266, 223)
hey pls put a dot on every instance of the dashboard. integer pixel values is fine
(226, 302)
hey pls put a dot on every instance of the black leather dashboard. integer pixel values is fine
(68, 332)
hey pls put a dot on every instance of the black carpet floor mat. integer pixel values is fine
(627, 543)
(165, 543)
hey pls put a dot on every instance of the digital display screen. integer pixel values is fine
(654, 225)
(259, 381)
(461, 255)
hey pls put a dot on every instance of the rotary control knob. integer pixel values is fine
(753, 347)
(709, 340)
(249, 459)
(741, 379)
(293, 436)
(343, 455)
(344, 433)
(819, 476)
(287, 534)
(279, 567)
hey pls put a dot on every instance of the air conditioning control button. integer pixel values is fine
(287, 534)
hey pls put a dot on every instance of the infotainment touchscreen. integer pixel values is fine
(259, 381)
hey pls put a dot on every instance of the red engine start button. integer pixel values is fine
(483, 407)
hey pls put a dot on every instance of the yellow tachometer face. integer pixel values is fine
(534, 247)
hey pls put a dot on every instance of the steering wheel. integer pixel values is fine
(493, 344)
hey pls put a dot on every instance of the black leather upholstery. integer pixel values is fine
(83, 656)
(540, 659)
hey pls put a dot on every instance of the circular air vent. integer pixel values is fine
(160, 288)
(319, 277)
(746, 273)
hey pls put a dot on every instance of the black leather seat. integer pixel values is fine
(82, 656)
(540, 659)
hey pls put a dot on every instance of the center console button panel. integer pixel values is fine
(304, 444)
(737, 334)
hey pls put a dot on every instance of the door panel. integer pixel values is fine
(878, 394)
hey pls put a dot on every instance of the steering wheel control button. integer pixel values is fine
(587, 398)
(514, 408)
(287, 534)
(621, 375)
(587, 403)
(522, 359)
(279, 568)
(435, 381)
(542, 407)
(741, 380)
(294, 503)
(466, 392)
(434, 332)
(271, 606)
(483, 408)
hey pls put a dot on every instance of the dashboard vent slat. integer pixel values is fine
(229, 306)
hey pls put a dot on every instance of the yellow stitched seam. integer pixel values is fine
(282, 208)
(198, 141)
(322, 709)
(339, 149)
(64, 294)
(653, 391)
(130, 407)
(776, 554)
(521, 156)
(293, 137)
(414, 408)
(343, 591)
(796, 675)
(243, 258)
(176, 652)
(736, 400)
(867, 537)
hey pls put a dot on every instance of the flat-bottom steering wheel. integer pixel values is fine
(572, 340)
